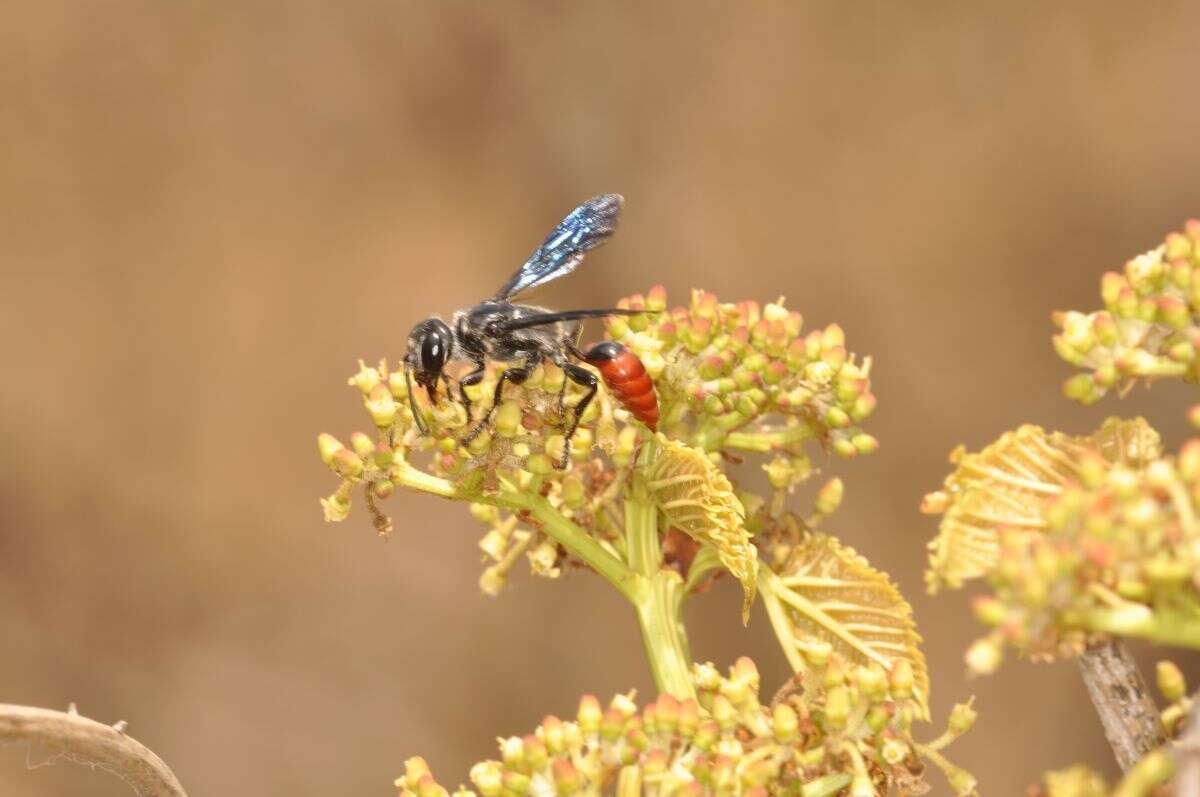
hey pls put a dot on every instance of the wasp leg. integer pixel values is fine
(590, 383)
(471, 379)
(514, 375)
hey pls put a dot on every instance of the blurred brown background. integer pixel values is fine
(208, 211)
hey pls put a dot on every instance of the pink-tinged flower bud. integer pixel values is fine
(864, 405)
(689, 718)
(1105, 329)
(346, 463)
(383, 488)
(551, 731)
(935, 503)
(837, 418)
(864, 443)
(1181, 352)
(656, 298)
(774, 373)
(1126, 304)
(988, 610)
(516, 782)
(415, 768)
(1111, 286)
(1173, 312)
(1193, 416)
(535, 752)
(428, 787)
(1105, 376)
(668, 711)
(1180, 273)
(566, 778)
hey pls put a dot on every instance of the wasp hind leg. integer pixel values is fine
(590, 383)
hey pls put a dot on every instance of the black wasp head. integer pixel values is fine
(429, 347)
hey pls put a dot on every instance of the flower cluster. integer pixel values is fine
(720, 368)
(1150, 324)
(836, 730)
(729, 377)
(1087, 536)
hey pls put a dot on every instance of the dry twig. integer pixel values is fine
(92, 743)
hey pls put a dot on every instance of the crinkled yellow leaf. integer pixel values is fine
(828, 591)
(1006, 486)
(696, 498)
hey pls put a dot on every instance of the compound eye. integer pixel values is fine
(433, 352)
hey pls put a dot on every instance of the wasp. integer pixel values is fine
(499, 330)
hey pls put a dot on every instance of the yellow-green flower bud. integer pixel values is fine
(837, 707)
(784, 723)
(1171, 682)
(962, 717)
(508, 418)
(829, 497)
(366, 378)
(566, 778)
(347, 463)
(590, 714)
(327, 447)
(900, 679)
(363, 446)
(381, 406)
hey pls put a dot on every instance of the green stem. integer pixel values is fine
(659, 599)
(663, 634)
(577, 541)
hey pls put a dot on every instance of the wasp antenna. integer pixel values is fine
(418, 419)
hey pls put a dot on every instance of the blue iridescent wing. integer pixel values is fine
(584, 228)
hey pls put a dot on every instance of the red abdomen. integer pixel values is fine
(626, 379)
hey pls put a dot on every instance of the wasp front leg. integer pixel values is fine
(470, 380)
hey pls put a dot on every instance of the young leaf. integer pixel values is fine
(1006, 484)
(697, 498)
(828, 591)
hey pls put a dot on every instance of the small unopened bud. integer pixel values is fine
(829, 497)
(962, 717)
(837, 707)
(366, 378)
(1171, 682)
(327, 446)
(984, 656)
(590, 714)
(381, 406)
(784, 723)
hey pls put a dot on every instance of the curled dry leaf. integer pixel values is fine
(825, 590)
(697, 498)
(1006, 485)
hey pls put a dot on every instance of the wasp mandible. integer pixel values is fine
(497, 330)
